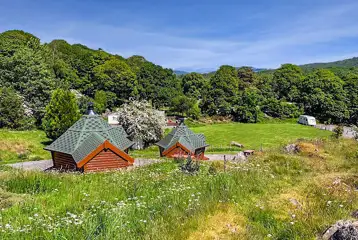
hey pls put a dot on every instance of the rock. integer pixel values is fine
(292, 148)
(355, 214)
(240, 156)
(233, 143)
(296, 203)
(342, 230)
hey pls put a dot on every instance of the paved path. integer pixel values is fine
(348, 132)
(42, 165)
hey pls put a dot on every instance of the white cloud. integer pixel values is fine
(305, 37)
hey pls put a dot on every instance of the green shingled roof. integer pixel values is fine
(184, 136)
(86, 135)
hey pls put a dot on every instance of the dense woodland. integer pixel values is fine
(30, 72)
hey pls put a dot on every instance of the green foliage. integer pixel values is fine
(280, 109)
(286, 81)
(323, 96)
(224, 87)
(185, 105)
(194, 85)
(351, 88)
(247, 109)
(34, 70)
(61, 113)
(338, 132)
(100, 101)
(189, 166)
(12, 112)
(247, 77)
(116, 76)
(25, 69)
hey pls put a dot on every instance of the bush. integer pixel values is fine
(338, 132)
(142, 122)
(61, 113)
(189, 166)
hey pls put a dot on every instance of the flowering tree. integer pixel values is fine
(142, 122)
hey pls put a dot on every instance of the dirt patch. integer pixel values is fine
(14, 146)
(9, 199)
(224, 224)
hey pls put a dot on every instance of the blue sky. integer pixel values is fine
(197, 34)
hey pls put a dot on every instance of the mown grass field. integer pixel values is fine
(273, 196)
(16, 146)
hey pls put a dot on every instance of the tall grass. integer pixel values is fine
(161, 202)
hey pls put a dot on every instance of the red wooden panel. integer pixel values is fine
(106, 160)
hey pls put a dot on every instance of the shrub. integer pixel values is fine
(189, 166)
(141, 121)
(338, 132)
(61, 113)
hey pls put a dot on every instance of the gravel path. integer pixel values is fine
(348, 132)
(43, 165)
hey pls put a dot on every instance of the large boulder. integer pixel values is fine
(342, 230)
(292, 148)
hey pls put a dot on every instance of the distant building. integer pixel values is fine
(91, 144)
(113, 119)
(181, 142)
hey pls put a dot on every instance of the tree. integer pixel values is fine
(116, 76)
(24, 67)
(247, 77)
(286, 81)
(224, 87)
(280, 109)
(194, 85)
(247, 107)
(100, 101)
(12, 111)
(351, 88)
(184, 105)
(141, 121)
(61, 113)
(323, 96)
(156, 84)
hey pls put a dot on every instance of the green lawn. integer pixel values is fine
(253, 135)
(16, 146)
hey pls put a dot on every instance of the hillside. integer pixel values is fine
(346, 63)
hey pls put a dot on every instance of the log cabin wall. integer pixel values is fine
(178, 151)
(63, 161)
(105, 160)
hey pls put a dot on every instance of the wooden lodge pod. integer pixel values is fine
(91, 144)
(181, 142)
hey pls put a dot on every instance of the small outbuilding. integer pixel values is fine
(91, 144)
(182, 142)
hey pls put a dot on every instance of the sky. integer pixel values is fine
(197, 35)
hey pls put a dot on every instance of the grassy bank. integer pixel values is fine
(16, 146)
(274, 196)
